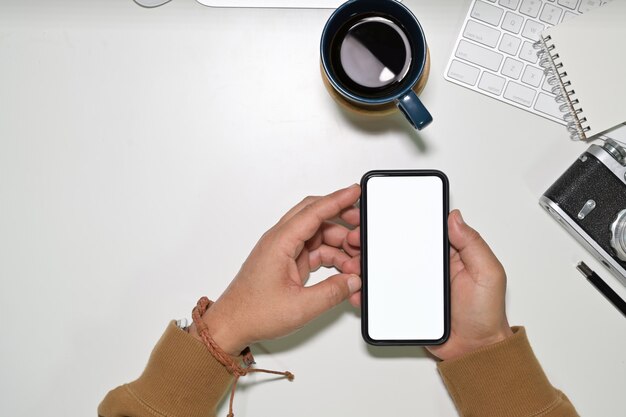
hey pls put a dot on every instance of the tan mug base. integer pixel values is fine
(378, 110)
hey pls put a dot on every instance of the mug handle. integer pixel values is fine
(411, 106)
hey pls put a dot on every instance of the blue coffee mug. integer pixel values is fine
(402, 94)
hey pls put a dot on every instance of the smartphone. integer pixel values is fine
(405, 257)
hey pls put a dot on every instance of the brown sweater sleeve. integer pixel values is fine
(504, 379)
(181, 379)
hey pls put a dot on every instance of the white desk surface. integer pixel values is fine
(143, 152)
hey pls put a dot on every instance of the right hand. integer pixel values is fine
(478, 286)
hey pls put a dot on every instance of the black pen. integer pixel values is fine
(603, 287)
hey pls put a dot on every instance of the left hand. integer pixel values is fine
(268, 298)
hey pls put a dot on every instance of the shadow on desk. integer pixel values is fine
(317, 326)
(396, 352)
(308, 332)
(374, 125)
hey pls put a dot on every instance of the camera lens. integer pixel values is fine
(616, 151)
(618, 235)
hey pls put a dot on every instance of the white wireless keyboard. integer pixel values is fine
(494, 53)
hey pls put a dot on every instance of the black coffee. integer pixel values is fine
(371, 56)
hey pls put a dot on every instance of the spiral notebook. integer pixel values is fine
(585, 63)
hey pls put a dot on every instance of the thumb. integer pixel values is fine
(326, 294)
(473, 250)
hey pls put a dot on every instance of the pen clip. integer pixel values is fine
(584, 269)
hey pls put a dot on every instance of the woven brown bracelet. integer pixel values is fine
(224, 358)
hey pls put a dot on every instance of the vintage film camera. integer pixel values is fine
(589, 200)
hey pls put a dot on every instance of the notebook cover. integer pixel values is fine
(591, 49)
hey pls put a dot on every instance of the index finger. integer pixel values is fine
(305, 223)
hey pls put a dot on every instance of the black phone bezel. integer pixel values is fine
(446, 253)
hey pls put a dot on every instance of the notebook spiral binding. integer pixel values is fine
(556, 77)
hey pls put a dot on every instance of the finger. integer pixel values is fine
(295, 209)
(304, 267)
(315, 241)
(326, 294)
(304, 224)
(352, 266)
(332, 234)
(474, 252)
(348, 218)
(350, 250)
(355, 299)
(327, 256)
(354, 237)
(351, 216)
(335, 235)
(456, 264)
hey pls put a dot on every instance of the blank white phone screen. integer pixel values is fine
(405, 258)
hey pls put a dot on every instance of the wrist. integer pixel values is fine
(221, 332)
(461, 344)
(224, 333)
(504, 333)
(497, 337)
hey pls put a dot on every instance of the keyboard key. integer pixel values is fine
(510, 44)
(512, 68)
(568, 16)
(481, 33)
(570, 4)
(532, 30)
(550, 14)
(509, 4)
(530, 7)
(546, 104)
(532, 76)
(512, 22)
(463, 72)
(587, 5)
(487, 13)
(479, 55)
(519, 94)
(528, 53)
(492, 83)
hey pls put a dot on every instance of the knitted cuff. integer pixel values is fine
(182, 378)
(503, 379)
